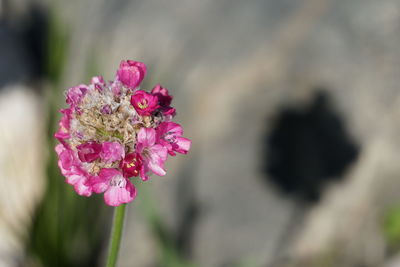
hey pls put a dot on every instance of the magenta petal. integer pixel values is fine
(182, 145)
(158, 155)
(131, 73)
(107, 174)
(75, 95)
(169, 135)
(131, 165)
(168, 130)
(116, 195)
(89, 151)
(79, 183)
(82, 189)
(143, 174)
(99, 184)
(61, 135)
(144, 103)
(162, 94)
(156, 168)
(112, 151)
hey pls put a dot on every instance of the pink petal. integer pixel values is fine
(158, 155)
(98, 184)
(168, 129)
(116, 195)
(182, 145)
(159, 151)
(146, 137)
(112, 151)
(143, 174)
(101, 182)
(156, 168)
(79, 183)
(131, 73)
(82, 189)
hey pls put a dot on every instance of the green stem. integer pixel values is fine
(116, 234)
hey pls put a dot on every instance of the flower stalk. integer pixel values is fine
(116, 234)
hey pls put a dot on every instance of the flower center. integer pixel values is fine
(131, 164)
(143, 104)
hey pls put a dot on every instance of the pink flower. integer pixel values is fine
(162, 94)
(111, 151)
(144, 103)
(75, 95)
(118, 190)
(89, 151)
(70, 168)
(131, 165)
(153, 155)
(169, 135)
(131, 73)
(164, 99)
(112, 131)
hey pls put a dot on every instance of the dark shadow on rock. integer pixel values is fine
(305, 150)
(308, 148)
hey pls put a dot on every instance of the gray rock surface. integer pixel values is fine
(232, 66)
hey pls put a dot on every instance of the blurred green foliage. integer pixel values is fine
(391, 226)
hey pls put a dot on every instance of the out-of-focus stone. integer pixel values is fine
(22, 157)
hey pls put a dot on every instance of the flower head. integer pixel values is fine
(111, 132)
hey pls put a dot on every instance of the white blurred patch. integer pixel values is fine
(22, 162)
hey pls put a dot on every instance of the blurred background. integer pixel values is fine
(294, 112)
